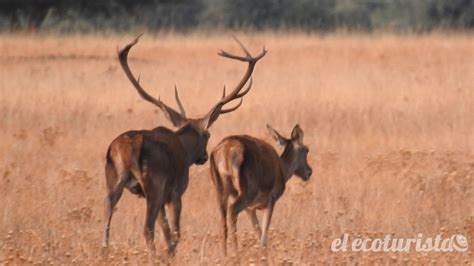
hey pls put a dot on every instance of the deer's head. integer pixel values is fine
(295, 152)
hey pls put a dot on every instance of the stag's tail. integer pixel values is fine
(110, 171)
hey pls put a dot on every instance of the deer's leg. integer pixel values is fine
(234, 210)
(113, 196)
(267, 217)
(135, 170)
(223, 201)
(175, 208)
(252, 213)
(134, 165)
(153, 208)
(166, 231)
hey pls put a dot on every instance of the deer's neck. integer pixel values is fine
(287, 159)
(189, 142)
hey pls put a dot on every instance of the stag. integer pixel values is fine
(250, 171)
(154, 164)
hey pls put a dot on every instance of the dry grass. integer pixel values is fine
(388, 119)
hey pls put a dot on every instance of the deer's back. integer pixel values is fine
(158, 150)
(252, 165)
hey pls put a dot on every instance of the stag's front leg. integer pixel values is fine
(166, 231)
(267, 217)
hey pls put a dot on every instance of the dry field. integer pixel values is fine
(389, 121)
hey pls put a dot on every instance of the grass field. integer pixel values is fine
(389, 121)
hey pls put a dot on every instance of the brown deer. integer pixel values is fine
(250, 171)
(154, 164)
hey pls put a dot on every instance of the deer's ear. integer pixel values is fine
(282, 141)
(297, 134)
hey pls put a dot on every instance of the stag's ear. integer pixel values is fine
(277, 137)
(297, 134)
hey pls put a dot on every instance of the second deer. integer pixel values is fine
(250, 171)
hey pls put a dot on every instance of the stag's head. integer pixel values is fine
(295, 150)
(196, 129)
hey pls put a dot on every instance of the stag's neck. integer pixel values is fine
(287, 160)
(189, 142)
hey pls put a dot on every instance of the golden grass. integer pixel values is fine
(388, 119)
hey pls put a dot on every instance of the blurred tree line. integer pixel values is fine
(185, 15)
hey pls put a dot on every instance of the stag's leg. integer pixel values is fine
(113, 196)
(267, 217)
(175, 208)
(234, 210)
(152, 209)
(138, 176)
(166, 231)
(252, 213)
(134, 165)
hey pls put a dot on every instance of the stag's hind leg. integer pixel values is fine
(155, 202)
(252, 213)
(151, 214)
(115, 186)
(175, 209)
(165, 227)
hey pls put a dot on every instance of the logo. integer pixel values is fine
(454, 243)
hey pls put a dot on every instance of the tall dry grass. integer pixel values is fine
(388, 119)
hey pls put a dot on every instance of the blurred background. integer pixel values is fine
(70, 16)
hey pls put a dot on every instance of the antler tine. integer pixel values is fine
(226, 54)
(248, 57)
(223, 111)
(242, 46)
(178, 101)
(238, 96)
(242, 93)
(175, 117)
(223, 93)
(124, 51)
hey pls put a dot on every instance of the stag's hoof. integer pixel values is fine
(172, 249)
(176, 235)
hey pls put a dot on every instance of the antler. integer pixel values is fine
(236, 93)
(173, 116)
(178, 101)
